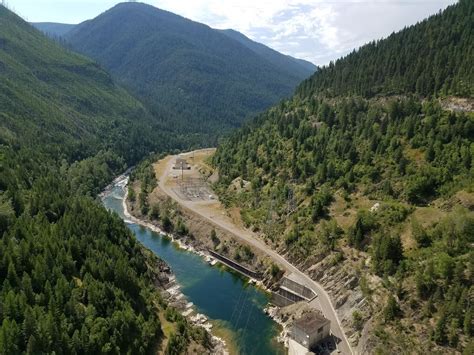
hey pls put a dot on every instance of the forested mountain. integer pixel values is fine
(382, 187)
(52, 95)
(73, 279)
(199, 78)
(52, 29)
(433, 57)
(284, 62)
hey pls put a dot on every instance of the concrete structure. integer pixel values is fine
(292, 289)
(181, 163)
(193, 189)
(295, 348)
(236, 266)
(292, 283)
(208, 213)
(310, 329)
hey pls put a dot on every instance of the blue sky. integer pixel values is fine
(316, 30)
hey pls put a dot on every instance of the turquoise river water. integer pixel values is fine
(234, 306)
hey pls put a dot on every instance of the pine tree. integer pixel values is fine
(452, 336)
(391, 310)
(439, 335)
(468, 323)
(29, 324)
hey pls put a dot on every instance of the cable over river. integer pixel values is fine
(233, 306)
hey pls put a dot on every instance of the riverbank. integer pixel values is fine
(166, 280)
(201, 235)
(190, 196)
(198, 241)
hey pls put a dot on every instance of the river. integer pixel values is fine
(234, 306)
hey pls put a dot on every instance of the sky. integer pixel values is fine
(315, 30)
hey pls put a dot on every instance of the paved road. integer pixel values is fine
(252, 239)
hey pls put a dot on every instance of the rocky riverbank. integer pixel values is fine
(165, 280)
(202, 235)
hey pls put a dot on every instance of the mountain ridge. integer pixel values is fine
(66, 130)
(196, 75)
(432, 57)
(269, 53)
(58, 91)
(53, 29)
(366, 176)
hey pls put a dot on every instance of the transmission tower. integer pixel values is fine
(291, 202)
(270, 211)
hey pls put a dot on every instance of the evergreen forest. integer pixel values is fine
(371, 164)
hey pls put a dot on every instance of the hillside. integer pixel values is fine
(281, 61)
(433, 57)
(52, 29)
(199, 78)
(52, 95)
(378, 190)
(73, 279)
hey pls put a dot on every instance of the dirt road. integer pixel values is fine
(210, 211)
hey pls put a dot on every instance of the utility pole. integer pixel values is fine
(270, 210)
(291, 201)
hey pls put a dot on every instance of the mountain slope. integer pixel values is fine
(284, 62)
(200, 78)
(373, 196)
(73, 278)
(51, 95)
(52, 29)
(433, 57)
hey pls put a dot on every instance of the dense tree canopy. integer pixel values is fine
(194, 78)
(50, 94)
(372, 127)
(73, 279)
(431, 57)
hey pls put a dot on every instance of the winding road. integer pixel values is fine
(199, 207)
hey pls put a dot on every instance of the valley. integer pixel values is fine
(217, 215)
(334, 213)
(235, 308)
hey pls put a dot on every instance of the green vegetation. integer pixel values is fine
(73, 278)
(357, 320)
(391, 310)
(215, 240)
(184, 334)
(195, 79)
(52, 95)
(318, 162)
(434, 56)
(144, 172)
(347, 146)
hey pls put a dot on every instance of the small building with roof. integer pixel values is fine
(310, 329)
